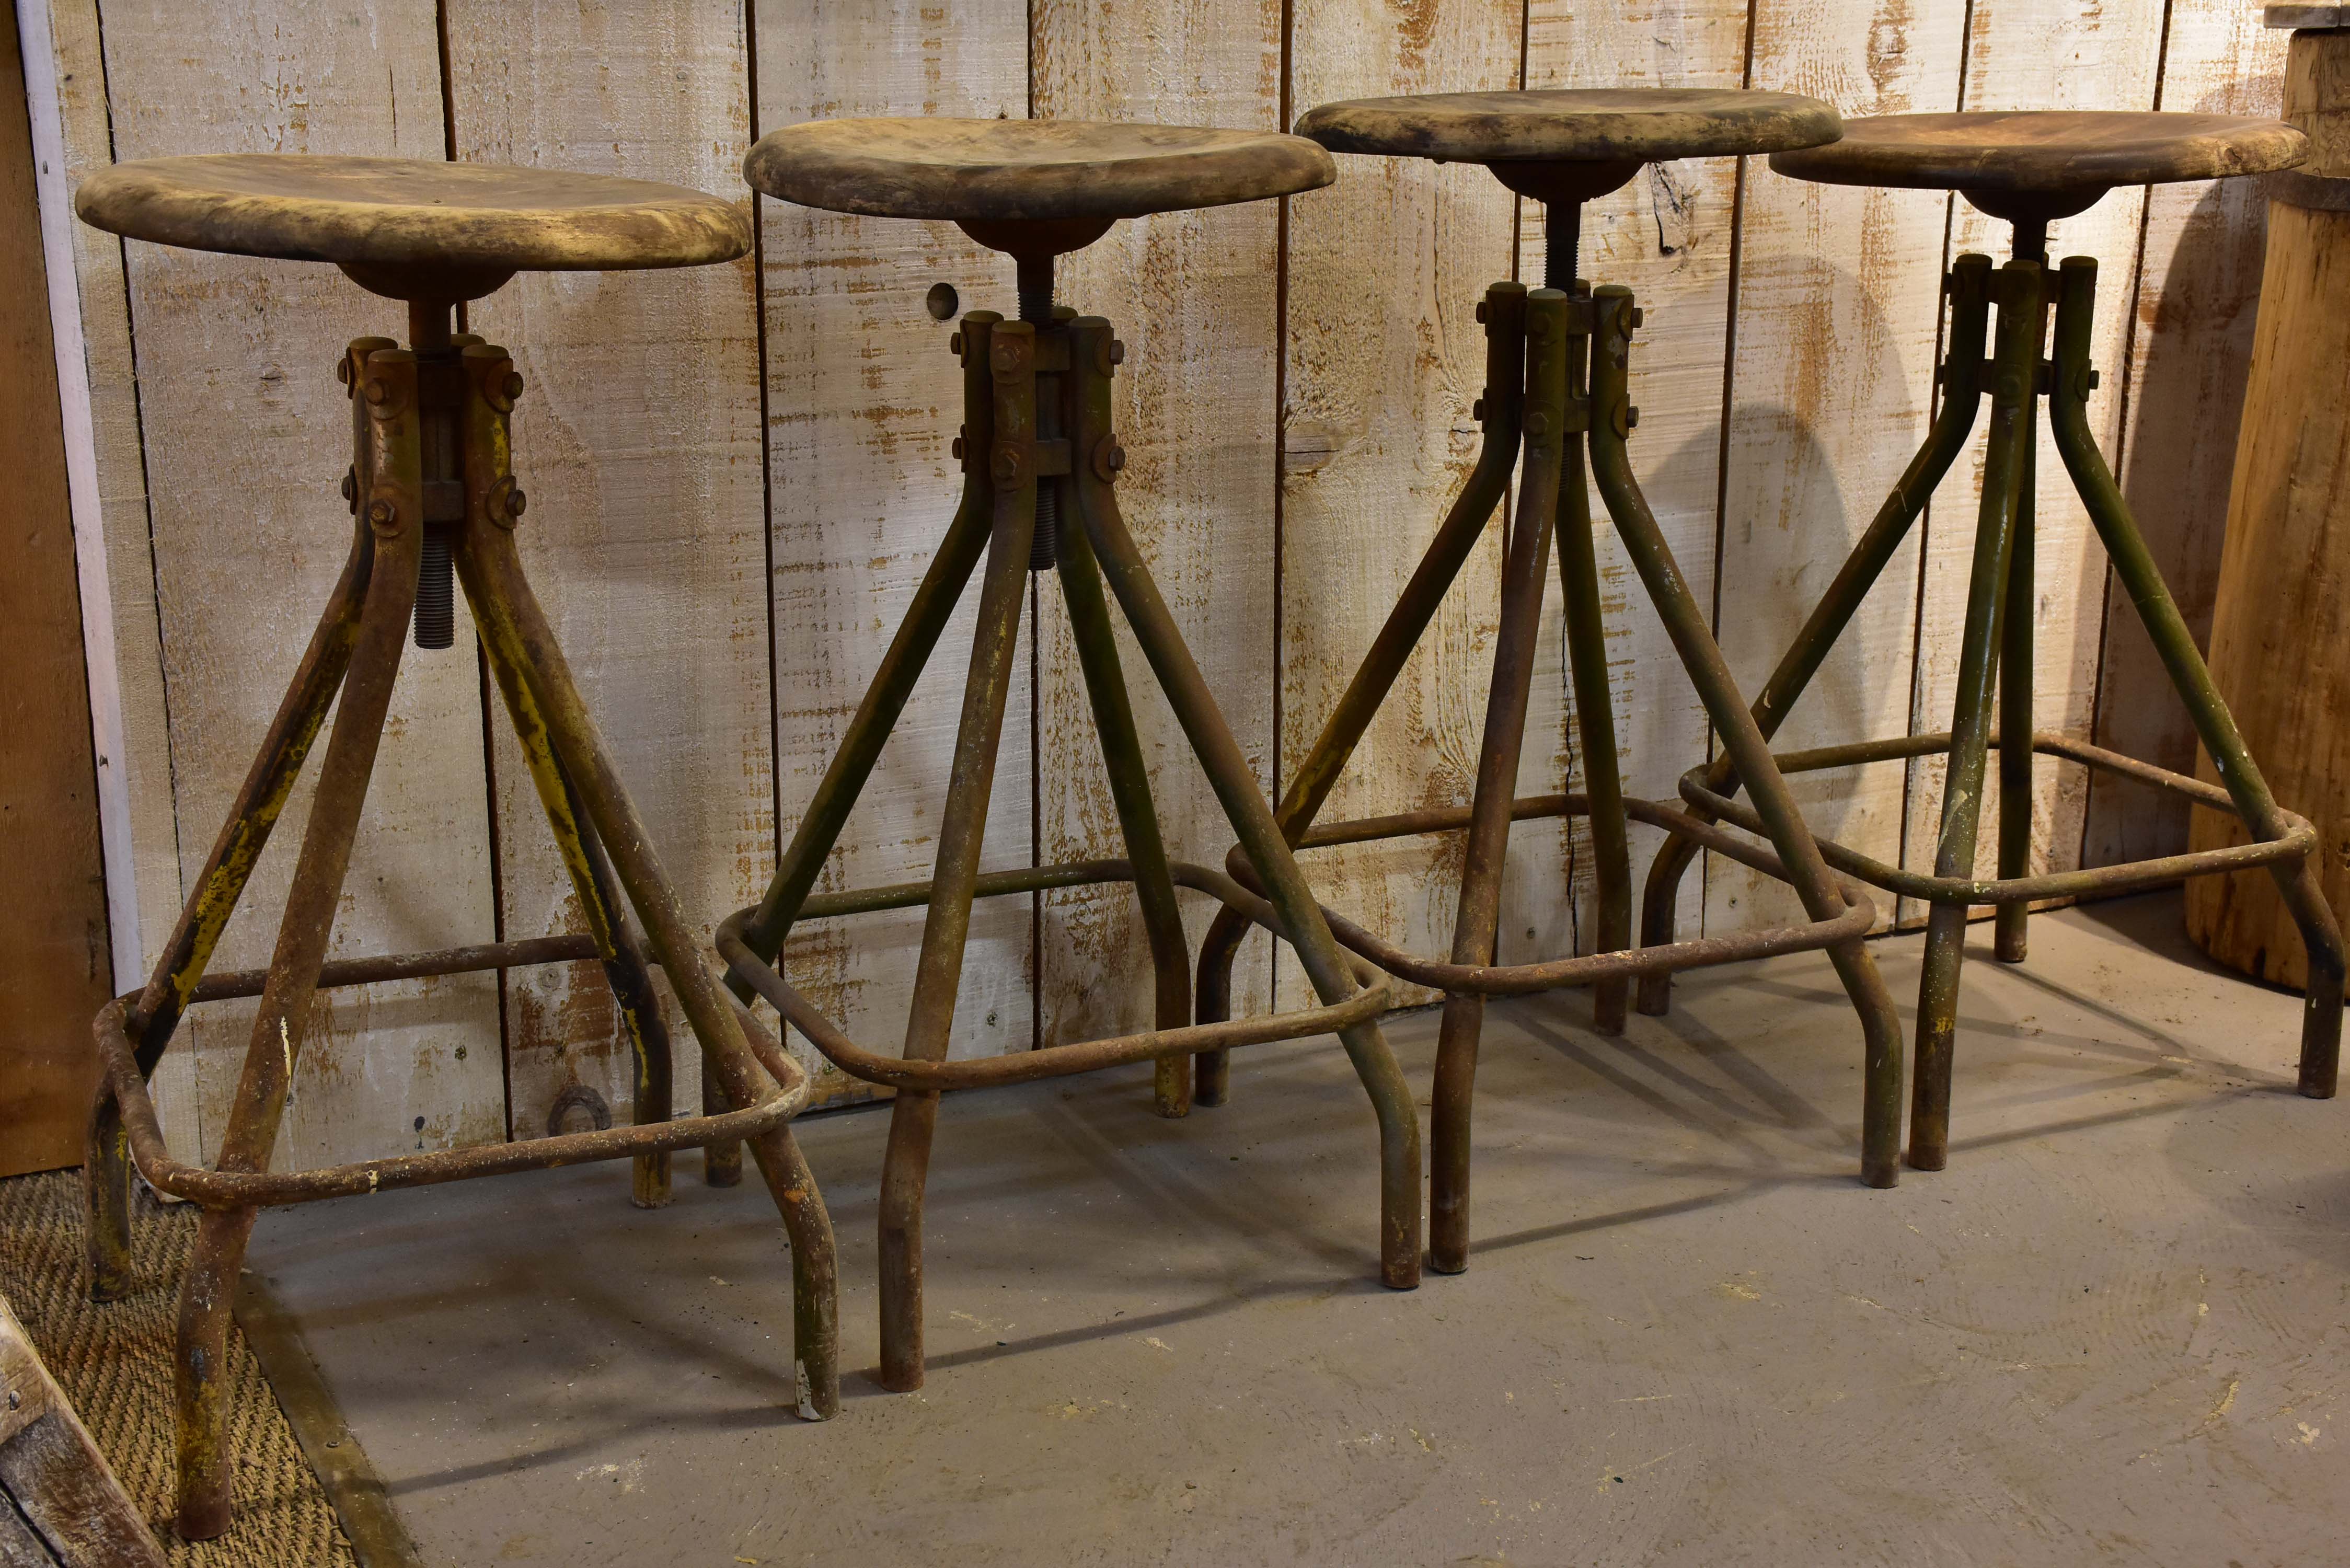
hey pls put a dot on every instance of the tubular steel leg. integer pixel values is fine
(592, 882)
(1138, 819)
(2010, 919)
(885, 699)
(1503, 314)
(1594, 708)
(2014, 360)
(1475, 929)
(106, 1163)
(1244, 804)
(391, 492)
(913, 1115)
(1741, 737)
(721, 1163)
(2141, 578)
(1962, 370)
(510, 612)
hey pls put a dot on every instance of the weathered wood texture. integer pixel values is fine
(738, 473)
(61, 1505)
(2038, 53)
(2195, 297)
(2281, 602)
(53, 925)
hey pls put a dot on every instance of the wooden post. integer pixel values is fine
(2281, 632)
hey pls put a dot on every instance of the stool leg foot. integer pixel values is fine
(913, 1118)
(2134, 564)
(816, 1272)
(1450, 1154)
(1937, 1027)
(201, 1373)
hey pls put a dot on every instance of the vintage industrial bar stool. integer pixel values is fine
(1039, 458)
(430, 489)
(2029, 170)
(1556, 365)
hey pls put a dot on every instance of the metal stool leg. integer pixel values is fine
(1503, 314)
(1003, 592)
(1244, 804)
(2012, 918)
(1741, 737)
(2015, 362)
(2321, 1025)
(1969, 286)
(1475, 928)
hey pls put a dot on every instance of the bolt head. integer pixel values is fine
(1117, 352)
(15, 1399)
(515, 503)
(957, 449)
(343, 370)
(954, 345)
(1639, 317)
(1477, 410)
(377, 393)
(1484, 313)
(1631, 419)
(380, 513)
(511, 386)
(350, 485)
(942, 302)
(1116, 458)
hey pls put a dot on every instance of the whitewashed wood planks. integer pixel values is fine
(247, 433)
(2197, 293)
(1838, 332)
(637, 441)
(1385, 360)
(863, 399)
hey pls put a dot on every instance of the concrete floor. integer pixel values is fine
(2115, 1330)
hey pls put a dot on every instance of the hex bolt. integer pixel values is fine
(381, 512)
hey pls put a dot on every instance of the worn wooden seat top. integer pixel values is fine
(395, 216)
(994, 172)
(1580, 125)
(2053, 161)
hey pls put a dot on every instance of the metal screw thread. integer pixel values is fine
(1036, 281)
(436, 599)
(1562, 238)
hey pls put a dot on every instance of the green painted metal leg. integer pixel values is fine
(1245, 807)
(1476, 926)
(1137, 818)
(1741, 737)
(1503, 314)
(2016, 354)
(2011, 919)
(1970, 291)
(2141, 578)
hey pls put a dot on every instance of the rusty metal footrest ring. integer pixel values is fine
(1555, 974)
(261, 1190)
(1375, 998)
(2133, 876)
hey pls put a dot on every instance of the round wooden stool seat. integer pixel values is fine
(1572, 143)
(410, 228)
(1018, 183)
(2046, 163)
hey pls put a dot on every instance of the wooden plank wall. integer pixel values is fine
(738, 473)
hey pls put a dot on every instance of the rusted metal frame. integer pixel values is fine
(511, 605)
(2097, 881)
(946, 927)
(231, 1190)
(1685, 622)
(1586, 648)
(484, 440)
(1244, 804)
(1138, 819)
(1058, 1061)
(2010, 919)
(390, 498)
(1555, 974)
(2134, 564)
(1477, 921)
(1960, 374)
(2014, 364)
(528, 953)
(1498, 413)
